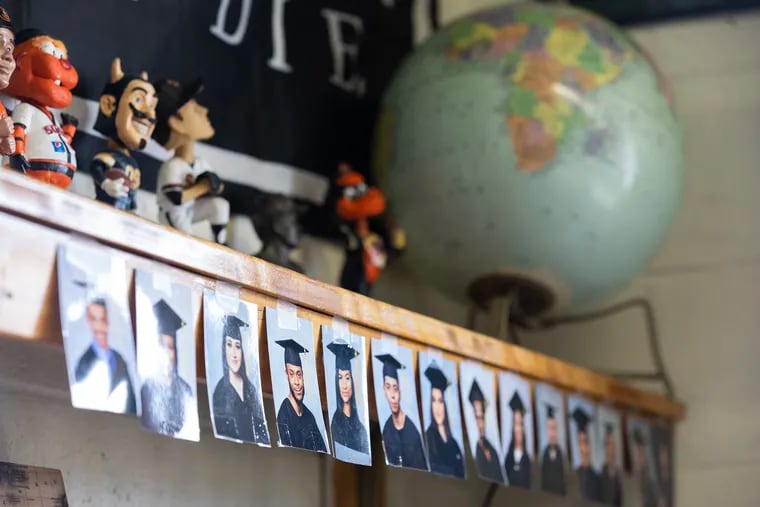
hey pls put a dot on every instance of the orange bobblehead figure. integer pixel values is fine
(43, 80)
(7, 66)
(366, 254)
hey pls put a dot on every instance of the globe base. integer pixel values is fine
(528, 297)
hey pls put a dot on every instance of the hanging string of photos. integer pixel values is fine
(156, 382)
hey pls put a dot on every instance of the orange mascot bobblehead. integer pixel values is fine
(43, 80)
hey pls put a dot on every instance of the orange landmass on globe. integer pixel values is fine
(533, 146)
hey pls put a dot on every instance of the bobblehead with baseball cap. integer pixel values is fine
(172, 95)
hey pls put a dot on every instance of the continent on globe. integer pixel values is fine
(552, 59)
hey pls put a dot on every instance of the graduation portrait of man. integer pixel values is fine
(296, 425)
(444, 453)
(101, 378)
(588, 479)
(486, 457)
(168, 403)
(552, 460)
(610, 480)
(517, 463)
(642, 468)
(401, 438)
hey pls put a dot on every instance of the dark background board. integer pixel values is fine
(299, 118)
(628, 12)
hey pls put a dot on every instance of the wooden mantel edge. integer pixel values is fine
(66, 211)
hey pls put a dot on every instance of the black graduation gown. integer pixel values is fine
(588, 483)
(648, 490)
(488, 469)
(163, 407)
(349, 431)
(552, 473)
(445, 457)
(236, 418)
(610, 488)
(120, 374)
(403, 447)
(298, 431)
(518, 472)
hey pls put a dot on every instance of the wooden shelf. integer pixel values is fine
(35, 218)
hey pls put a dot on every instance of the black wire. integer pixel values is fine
(490, 494)
(433, 15)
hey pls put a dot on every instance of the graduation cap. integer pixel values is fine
(293, 351)
(609, 429)
(344, 353)
(638, 436)
(550, 411)
(476, 394)
(232, 325)
(169, 322)
(582, 419)
(436, 377)
(391, 365)
(516, 403)
(90, 296)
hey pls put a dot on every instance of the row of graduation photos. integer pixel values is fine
(156, 381)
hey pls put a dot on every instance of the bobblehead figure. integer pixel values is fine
(7, 66)
(127, 117)
(187, 191)
(43, 80)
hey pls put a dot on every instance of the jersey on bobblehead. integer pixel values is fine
(187, 191)
(43, 80)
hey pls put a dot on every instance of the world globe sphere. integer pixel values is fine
(530, 150)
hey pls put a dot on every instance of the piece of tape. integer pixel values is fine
(162, 282)
(227, 296)
(389, 342)
(286, 315)
(340, 329)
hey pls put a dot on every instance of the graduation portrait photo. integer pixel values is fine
(662, 438)
(583, 441)
(300, 422)
(478, 387)
(609, 452)
(550, 409)
(439, 392)
(397, 409)
(233, 378)
(97, 330)
(640, 449)
(166, 356)
(345, 357)
(517, 429)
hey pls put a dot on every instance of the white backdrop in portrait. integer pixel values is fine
(304, 335)
(151, 287)
(406, 382)
(509, 383)
(359, 375)
(450, 396)
(468, 372)
(606, 415)
(213, 330)
(589, 407)
(79, 263)
(548, 395)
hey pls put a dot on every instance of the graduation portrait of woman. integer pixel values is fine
(442, 416)
(517, 429)
(344, 360)
(231, 343)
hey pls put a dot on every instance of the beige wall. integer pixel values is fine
(705, 286)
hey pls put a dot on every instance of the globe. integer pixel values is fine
(530, 151)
